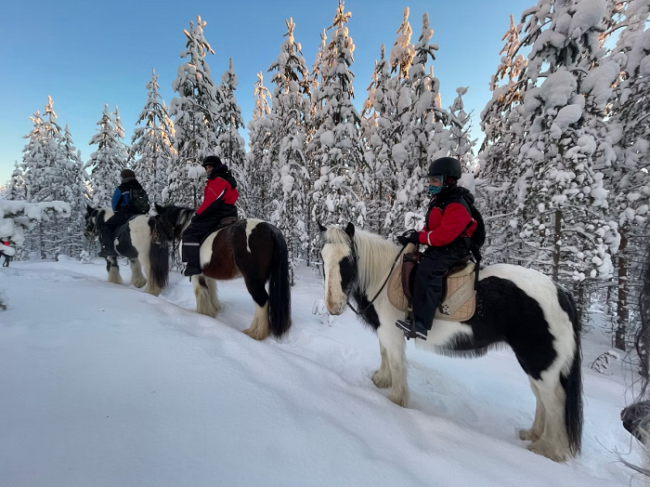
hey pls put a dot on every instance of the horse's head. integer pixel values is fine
(340, 266)
(91, 217)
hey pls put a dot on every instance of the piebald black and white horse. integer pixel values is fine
(252, 249)
(133, 240)
(517, 306)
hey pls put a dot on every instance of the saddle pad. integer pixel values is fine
(459, 303)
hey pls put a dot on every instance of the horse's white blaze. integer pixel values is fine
(335, 298)
(250, 226)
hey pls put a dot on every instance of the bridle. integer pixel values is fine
(354, 257)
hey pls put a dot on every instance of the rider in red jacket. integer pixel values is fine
(219, 197)
(449, 226)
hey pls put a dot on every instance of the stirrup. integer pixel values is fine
(410, 330)
(192, 270)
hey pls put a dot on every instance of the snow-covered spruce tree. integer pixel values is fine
(314, 161)
(16, 185)
(462, 146)
(336, 144)
(106, 162)
(75, 192)
(377, 130)
(626, 170)
(230, 146)
(195, 113)
(562, 213)
(152, 145)
(290, 174)
(424, 135)
(502, 125)
(257, 164)
(46, 179)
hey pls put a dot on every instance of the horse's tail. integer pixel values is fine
(279, 287)
(571, 380)
(159, 260)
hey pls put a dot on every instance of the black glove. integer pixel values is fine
(410, 236)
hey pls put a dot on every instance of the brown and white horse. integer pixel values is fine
(252, 249)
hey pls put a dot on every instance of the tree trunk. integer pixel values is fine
(556, 245)
(622, 311)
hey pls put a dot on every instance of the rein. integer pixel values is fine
(392, 267)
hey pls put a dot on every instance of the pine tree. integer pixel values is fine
(16, 187)
(563, 210)
(195, 115)
(152, 145)
(336, 141)
(257, 164)
(107, 162)
(230, 146)
(287, 147)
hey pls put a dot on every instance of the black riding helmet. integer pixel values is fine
(445, 166)
(213, 161)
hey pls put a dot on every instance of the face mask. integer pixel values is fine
(433, 190)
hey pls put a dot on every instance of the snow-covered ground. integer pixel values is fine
(103, 385)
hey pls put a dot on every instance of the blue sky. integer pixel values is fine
(86, 54)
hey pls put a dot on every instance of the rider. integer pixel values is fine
(219, 198)
(446, 233)
(123, 211)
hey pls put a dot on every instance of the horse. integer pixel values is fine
(137, 240)
(525, 309)
(249, 248)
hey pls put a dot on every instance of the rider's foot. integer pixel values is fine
(192, 270)
(412, 329)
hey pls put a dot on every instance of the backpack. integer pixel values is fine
(478, 236)
(138, 201)
(227, 175)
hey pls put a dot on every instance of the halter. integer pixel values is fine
(353, 249)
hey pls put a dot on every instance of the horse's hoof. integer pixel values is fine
(528, 435)
(400, 400)
(255, 335)
(544, 449)
(139, 284)
(382, 381)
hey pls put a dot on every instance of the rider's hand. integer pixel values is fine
(410, 236)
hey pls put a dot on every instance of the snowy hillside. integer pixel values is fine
(103, 385)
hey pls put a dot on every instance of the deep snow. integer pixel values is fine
(103, 385)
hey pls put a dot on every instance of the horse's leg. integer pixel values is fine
(137, 278)
(113, 270)
(392, 339)
(259, 328)
(553, 442)
(382, 377)
(206, 298)
(535, 432)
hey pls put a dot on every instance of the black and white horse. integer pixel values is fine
(252, 249)
(517, 306)
(133, 240)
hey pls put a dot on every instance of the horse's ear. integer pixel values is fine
(89, 208)
(350, 230)
(321, 228)
(159, 209)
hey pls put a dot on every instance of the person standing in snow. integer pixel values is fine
(219, 198)
(123, 210)
(446, 233)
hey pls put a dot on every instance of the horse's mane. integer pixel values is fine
(375, 254)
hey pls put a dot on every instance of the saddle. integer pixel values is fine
(223, 223)
(458, 300)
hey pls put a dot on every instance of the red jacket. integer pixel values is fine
(217, 188)
(447, 220)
